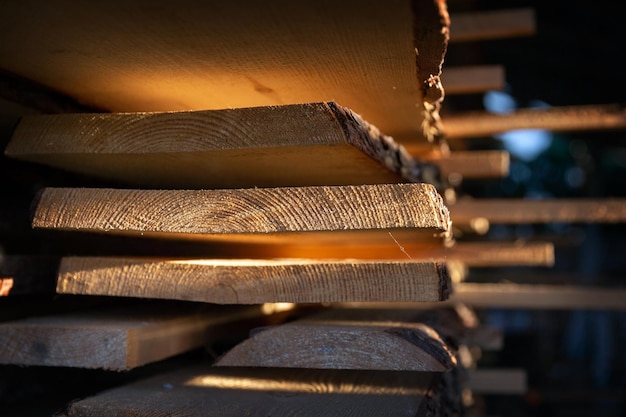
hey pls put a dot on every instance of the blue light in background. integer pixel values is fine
(524, 144)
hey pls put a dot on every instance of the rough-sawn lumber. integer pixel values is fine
(255, 281)
(235, 392)
(301, 144)
(379, 59)
(115, 339)
(264, 214)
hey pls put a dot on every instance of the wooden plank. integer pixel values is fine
(385, 346)
(454, 322)
(471, 80)
(258, 214)
(507, 381)
(457, 165)
(114, 339)
(538, 296)
(255, 281)
(301, 144)
(234, 392)
(492, 24)
(562, 210)
(521, 296)
(556, 119)
(243, 53)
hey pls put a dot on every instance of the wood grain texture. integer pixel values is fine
(562, 210)
(255, 281)
(234, 392)
(243, 53)
(344, 345)
(471, 80)
(246, 213)
(556, 119)
(300, 144)
(117, 339)
(492, 24)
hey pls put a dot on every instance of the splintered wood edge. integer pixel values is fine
(350, 345)
(244, 211)
(238, 391)
(255, 281)
(429, 62)
(61, 140)
(367, 138)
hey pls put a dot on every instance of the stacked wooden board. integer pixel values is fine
(287, 165)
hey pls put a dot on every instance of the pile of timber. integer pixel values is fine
(305, 217)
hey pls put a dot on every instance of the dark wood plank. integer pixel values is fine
(224, 392)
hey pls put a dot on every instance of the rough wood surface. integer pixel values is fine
(243, 214)
(391, 346)
(242, 53)
(234, 392)
(300, 144)
(117, 339)
(555, 119)
(562, 210)
(255, 281)
(471, 80)
(492, 24)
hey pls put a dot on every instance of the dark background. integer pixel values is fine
(576, 360)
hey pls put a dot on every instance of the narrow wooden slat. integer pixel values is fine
(117, 339)
(556, 119)
(471, 80)
(610, 210)
(243, 53)
(264, 214)
(539, 296)
(255, 281)
(492, 24)
(301, 144)
(497, 381)
(234, 392)
(473, 164)
(344, 345)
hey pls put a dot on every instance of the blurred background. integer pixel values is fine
(576, 360)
